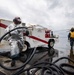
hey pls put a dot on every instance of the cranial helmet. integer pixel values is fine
(17, 20)
(72, 29)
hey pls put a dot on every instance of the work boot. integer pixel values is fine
(71, 48)
(13, 63)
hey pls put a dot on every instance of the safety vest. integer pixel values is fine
(72, 34)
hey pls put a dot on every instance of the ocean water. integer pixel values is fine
(63, 44)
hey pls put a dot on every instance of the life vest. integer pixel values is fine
(72, 34)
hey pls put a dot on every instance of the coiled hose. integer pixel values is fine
(51, 68)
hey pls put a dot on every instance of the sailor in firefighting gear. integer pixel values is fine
(15, 38)
(71, 38)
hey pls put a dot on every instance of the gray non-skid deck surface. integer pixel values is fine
(7, 64)
(37, 58)
(18, 63)
(40, 57)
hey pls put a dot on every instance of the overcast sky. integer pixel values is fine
(56, 14)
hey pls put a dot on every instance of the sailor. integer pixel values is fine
(15, 38)
(71, 37)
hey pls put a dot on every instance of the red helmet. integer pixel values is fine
(17, 20)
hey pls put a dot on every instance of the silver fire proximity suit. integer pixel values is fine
(16, 40)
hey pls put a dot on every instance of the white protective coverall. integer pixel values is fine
(16, 36)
